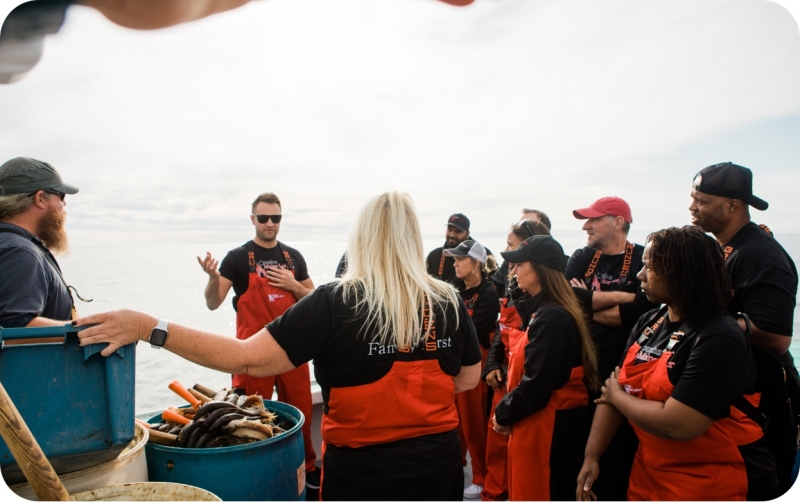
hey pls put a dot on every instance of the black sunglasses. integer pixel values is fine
(524, 223)
(55, 192)
(50, 190)
(263, 218)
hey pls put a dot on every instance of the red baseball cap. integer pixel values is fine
(607, 206)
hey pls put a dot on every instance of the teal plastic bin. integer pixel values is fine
(270, 469)
(78, 404)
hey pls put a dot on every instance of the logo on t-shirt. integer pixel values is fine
(273, 297)
(599, 280)
(647, 354)
(263, 265)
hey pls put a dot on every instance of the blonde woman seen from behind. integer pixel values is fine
(391, 347)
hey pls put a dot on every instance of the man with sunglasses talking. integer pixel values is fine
(267, 277)
(32, 217)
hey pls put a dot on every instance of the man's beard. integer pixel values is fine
(52, 233)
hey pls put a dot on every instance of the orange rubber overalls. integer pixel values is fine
(495, 485)
(709, 467)
(415, 398)
(531, 438)
(257, 307)
(472, 415)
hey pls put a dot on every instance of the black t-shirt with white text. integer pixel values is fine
(710, 366)
(322, 328)
(236, 269)
(609, 340)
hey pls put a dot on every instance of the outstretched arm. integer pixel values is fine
(259, 355)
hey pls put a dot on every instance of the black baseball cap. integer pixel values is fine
(27, 175)
(729, 180)
(459, 221)
(542, 249)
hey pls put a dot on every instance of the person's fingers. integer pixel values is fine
(89, 319)
(112, 347)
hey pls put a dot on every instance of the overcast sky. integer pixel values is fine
(485, 109)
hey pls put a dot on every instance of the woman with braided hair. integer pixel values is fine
(685, 366)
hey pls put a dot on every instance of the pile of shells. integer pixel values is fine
(216, 419)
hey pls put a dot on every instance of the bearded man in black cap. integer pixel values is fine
(763, 276)
(32, 216)
(442, 266)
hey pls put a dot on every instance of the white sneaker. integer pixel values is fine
(473, 492)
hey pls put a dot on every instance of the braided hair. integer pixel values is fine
(693, 268)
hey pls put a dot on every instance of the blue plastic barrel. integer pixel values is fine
(270, 469)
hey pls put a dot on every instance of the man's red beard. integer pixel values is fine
(52, 233)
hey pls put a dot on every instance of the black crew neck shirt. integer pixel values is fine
(323, 328)
(235, 268)
(710, 367)
(764, 280)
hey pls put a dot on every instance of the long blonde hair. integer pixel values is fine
(386, 274)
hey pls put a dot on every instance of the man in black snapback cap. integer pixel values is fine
(442, 266)
(32, 216)
(763, 275)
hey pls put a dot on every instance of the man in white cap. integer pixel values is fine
(32, 216)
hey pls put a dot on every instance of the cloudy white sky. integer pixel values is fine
(485, 109)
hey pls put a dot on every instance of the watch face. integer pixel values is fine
(158, 337)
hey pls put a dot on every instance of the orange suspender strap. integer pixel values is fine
(251, 261)
(429, 325)
(727, 250)
(471, 303)
(441, 266)
(289, 262)
(626, 266)
(251, 258)
(533, 316)
(587, 277)
(649, 330)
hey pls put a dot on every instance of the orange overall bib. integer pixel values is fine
(709, 467)
(529, 446)
(257, 307)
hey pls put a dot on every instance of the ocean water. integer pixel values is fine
(166, 281)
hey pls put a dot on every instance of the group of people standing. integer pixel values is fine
(665, 326)
(613, 373)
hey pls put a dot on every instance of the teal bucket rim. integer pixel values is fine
(239, 447)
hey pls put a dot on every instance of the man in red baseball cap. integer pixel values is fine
(603, 276)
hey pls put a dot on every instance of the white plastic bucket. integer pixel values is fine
(146, 491)
(129, 467)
